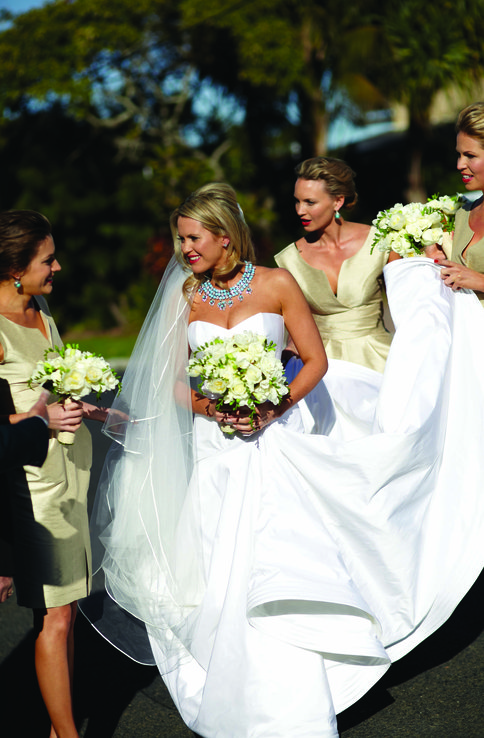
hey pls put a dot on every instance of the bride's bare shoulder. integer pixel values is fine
(274, 276)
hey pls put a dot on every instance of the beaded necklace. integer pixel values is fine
(225, 297)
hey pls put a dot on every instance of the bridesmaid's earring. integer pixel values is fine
(17, 284)
(337, 215)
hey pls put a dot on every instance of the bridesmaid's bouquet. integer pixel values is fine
(72, 374)
(408, 229)
(239, 370)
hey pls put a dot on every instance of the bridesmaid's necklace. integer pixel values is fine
(225, 297)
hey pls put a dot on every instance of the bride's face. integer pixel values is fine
(202, 250)
(470, 161)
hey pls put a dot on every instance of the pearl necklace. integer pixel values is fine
(225, 297)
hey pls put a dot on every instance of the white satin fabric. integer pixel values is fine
(328, 545)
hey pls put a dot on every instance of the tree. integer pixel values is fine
(426, 48)
(98, 207)
(284, 57)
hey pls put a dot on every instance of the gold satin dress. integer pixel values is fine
(350, 322)
(52, 553)
(474, 258)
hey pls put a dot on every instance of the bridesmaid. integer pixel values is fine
(465, 268)
(340, 278)
(51, 547)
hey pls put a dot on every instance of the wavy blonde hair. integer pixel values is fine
(215, 206)
(337, 175)
(471, 122)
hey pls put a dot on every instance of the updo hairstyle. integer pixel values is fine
(215, 206)
(337, 175)
(471, 122)
(21, 233)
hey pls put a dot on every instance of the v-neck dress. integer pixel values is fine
(474, 257)
(52, 553)
(350, 322)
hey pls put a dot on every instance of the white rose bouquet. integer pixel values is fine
(408, 229)
(240, 370)
(71, 374)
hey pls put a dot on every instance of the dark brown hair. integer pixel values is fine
(21, 233)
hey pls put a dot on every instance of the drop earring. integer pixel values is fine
(337, 215)
(17, 284)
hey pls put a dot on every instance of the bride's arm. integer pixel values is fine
(304, 333)
(303, 330)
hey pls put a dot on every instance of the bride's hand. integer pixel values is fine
(458, 276)
(242, 422)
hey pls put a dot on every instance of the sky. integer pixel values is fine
(20, 6)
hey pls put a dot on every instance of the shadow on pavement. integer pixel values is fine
(462, 628)
(106, 681)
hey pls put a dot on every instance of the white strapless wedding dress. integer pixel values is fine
(338, 538)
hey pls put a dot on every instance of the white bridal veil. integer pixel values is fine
(149, 572)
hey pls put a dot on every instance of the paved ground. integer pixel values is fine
(436, 691)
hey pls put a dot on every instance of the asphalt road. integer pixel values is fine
(438, 690)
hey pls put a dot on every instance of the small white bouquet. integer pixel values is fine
(408, 229)
(71, 374)
(240, 370)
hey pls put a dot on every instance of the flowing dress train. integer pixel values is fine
(304, 559)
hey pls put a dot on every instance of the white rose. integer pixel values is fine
(237, 393)
(241, 360)
(254, 351)
(253, 375)
(273, 396)
(215, 386)
(396, 220)
(401, 245)
(261, 392)
(242, 340)
(110, 381)
(432, 235)
(94, 374)
(71, 357)
(270, 366)
(414, 230)
(194, 370)
(73, 383)
(228, 373)
(217, 352)
(447, 204)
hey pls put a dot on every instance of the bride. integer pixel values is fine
(279, 570)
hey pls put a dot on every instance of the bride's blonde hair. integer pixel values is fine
(215, 206)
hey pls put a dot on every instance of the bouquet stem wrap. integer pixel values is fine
(66, 437)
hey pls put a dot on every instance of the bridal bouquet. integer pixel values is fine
(407, 229)
(71, 374)
(239, 370)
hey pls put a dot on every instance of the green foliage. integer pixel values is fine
(104, 126)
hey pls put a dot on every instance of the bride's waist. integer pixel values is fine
(209, 438)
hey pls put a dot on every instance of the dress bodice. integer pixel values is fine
(270, 325)
(359, 281)
(474, 256)
(23, 347)
(350, 322)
